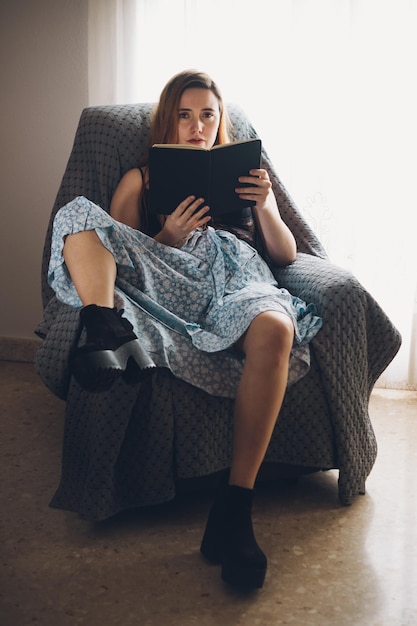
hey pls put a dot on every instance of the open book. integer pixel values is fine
(177, 171)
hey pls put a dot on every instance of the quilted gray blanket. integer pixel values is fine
(133, 445)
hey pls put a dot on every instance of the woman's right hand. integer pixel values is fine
(189, 215)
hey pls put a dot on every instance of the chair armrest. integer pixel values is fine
(355, 328)
(355, 344)
(60, 331)
(314, 279)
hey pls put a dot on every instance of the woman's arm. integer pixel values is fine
(125, 208)
(278, 239)
(125, 204)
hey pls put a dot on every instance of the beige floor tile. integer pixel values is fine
(328, 565)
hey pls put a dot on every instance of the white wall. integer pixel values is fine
(43, 88)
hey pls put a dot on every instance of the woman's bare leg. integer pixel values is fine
(111, 349)
(92, 268)
(229, 538)
(267, 345)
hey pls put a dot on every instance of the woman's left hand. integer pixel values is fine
(260, 190)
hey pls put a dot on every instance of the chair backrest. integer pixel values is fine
(111, 139)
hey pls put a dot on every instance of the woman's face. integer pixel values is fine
(198, 117)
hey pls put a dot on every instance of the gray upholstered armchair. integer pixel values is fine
(168, 431)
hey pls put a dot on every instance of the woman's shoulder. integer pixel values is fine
(134, 176)
(130, 184)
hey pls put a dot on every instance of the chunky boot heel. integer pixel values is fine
(111, 351)
(244, 564)
(243, 577)
(229, 539)
(139, 364)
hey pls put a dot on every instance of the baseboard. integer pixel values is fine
(18, 349)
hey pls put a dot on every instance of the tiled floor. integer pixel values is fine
(328, 565)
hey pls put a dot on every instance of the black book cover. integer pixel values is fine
(177, 171)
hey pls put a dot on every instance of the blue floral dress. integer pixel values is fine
(188, 305)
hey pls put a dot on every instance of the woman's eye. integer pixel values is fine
(183, 115)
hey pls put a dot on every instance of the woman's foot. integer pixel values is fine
(229, 539)
(112, 350)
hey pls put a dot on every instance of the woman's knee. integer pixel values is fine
(271, 335)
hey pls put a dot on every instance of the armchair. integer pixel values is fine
(133, 445)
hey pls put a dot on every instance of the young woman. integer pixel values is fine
(211, 288)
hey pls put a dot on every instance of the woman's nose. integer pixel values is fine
(196, 125)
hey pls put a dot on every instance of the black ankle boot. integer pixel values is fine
(111, 350)
(229, 539)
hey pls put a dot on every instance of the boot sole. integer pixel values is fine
(97, 370)
(244, 578)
